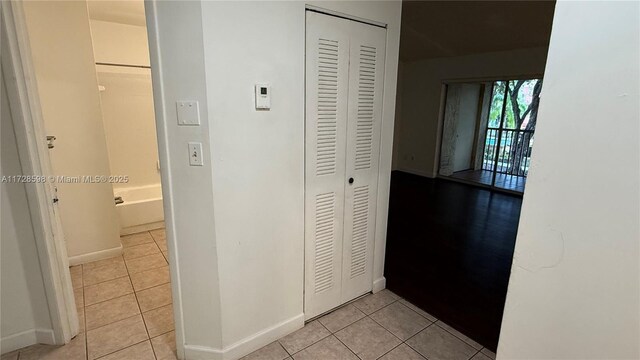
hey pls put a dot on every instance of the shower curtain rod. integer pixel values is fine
(124, 65)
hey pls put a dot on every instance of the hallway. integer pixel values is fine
(377, 326)
(124, 307)
(449, 251)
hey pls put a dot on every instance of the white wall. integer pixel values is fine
(23, 305)
(63, 59)
(258, 157)
(416, 148)
(574, 291)
(178, 73)
(254, 162)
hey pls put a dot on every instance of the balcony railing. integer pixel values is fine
(514, 151)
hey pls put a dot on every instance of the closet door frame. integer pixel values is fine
(373, 284)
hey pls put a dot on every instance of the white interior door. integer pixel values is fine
(366, 66)
(344, 64)
(466, 125)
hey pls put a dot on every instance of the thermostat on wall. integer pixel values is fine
(263, 97)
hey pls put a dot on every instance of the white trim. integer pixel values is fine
(34, 158)
(246, 345)
(153, 35)
(26, 338)
(140, 228)
(379, 284)
(95, 256)
(439, 127)
(345, 16)
(416, 172)
(483, 79)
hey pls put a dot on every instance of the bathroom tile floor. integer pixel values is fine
(377, 326)
(124, 307)
(125, 310)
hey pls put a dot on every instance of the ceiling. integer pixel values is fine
(433, 29)
(121, 11)
(430, 29)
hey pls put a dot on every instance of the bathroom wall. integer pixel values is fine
(127, 102)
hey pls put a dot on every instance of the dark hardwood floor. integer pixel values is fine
(449, 251)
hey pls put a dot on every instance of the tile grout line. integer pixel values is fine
(129, 317)
(84, 317)
(334, 333)
(104, 301)
(306, 347)
(113, 352)
(102, 282)
(395, 347)
(345, 345)
(435, 322)
(139, 308)
(474, 355)
(389, 331)
(133, 292)
(458, 337)
(414, 349)
(146, 329)
(412, 336)
(365, 316)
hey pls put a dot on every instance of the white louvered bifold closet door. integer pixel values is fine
(344, 67)
(366, 71)
(327, 86)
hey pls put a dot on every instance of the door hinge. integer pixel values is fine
(55, 196)
(50, 140)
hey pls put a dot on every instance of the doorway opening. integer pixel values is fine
(469, 84)
(488, 132)
(91, 71)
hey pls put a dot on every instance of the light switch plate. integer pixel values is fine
(195, 154)
(188, 112)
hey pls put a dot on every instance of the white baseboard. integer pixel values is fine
(246, 345)
(140, 228)
(45, 336)
(26, 338)
(429, 174)
(95, 256)
(379, 284)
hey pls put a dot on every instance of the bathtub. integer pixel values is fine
(141, 209)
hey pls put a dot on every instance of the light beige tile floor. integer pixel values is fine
(124, 303)
(378, 326)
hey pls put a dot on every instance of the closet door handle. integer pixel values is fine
(350, 180)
